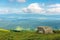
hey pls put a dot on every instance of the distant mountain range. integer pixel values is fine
(11, 21)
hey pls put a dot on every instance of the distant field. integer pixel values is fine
(27, 35)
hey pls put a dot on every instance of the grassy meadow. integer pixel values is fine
(27, 35)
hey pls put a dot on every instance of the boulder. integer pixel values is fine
(44, 30)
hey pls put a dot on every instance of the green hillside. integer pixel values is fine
(27, 35)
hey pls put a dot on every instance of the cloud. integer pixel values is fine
(9, 10)
(21, 0)
(34, 8)
(18, 1)
(54, 5)
(55, 8)
(4, 10)
(40, 9)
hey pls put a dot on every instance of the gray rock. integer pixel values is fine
(44, 30)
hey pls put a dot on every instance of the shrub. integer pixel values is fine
(56, 31)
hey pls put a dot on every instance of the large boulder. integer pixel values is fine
(44, 30)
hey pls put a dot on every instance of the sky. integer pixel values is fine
(41, 7)
(30, 6)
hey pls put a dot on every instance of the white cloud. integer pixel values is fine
(54, 5)
(10, 10)
(18, 1)
(34, 8)
(21, 0)
(55, 8)
(25, 10)
(4, 10)
(15, 10)
(37, 8)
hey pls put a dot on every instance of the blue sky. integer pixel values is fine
(15, 3)
(41, 7)
(30, 6)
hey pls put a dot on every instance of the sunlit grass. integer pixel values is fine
(27, 35)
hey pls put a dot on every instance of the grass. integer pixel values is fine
(27, 35)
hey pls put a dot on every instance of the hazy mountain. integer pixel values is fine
(11, 21)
